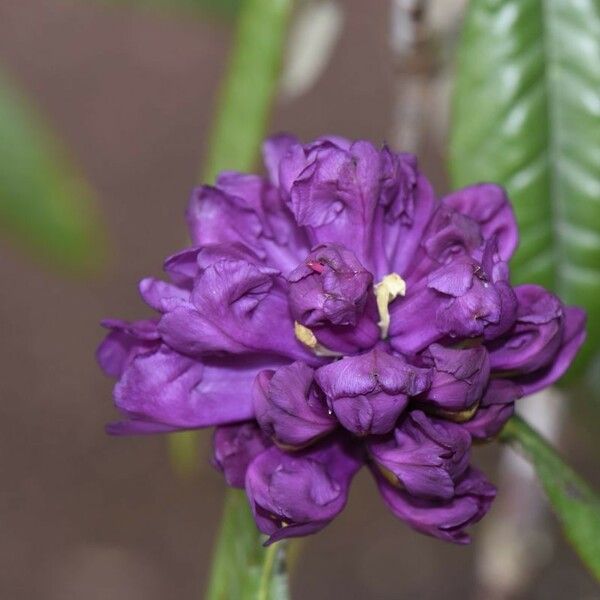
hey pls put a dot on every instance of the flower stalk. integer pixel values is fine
(242, 568)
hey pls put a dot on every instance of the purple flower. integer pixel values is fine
(333, 313)
(543, 341)
(289, 407)
(235, 447)
(495, 408)
(368, 392)
(299, 493)
(331, 293)
(424, 457)
(123, 343)
(489, 206)
(459, 378)
(443, 519)
(330, 286)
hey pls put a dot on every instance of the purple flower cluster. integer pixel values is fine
(335, 315)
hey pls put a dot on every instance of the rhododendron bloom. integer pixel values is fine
(335, 314)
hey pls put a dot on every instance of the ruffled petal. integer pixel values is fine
(423, 456)
(335, 194)
(460, 376)
(289, 407)
(295, 494)
(166, 388)
(443, 519)
(236, 307)
(368, 392)
(235, 447)
(246, 209)
(496, 407)
(573, 337)
(489, 206)
(535, 338)
(123, 343)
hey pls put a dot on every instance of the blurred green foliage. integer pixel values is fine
(45, 203)
(526, 114)
(576, 505)
(184, 450)
(245, 99)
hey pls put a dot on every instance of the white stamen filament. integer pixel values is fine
(387, 290)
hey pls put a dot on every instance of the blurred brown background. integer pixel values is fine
(87, 516)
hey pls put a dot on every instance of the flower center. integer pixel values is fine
(386, 291)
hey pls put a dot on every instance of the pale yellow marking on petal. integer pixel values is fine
(387, 290)
(456, 416)
(309, 339)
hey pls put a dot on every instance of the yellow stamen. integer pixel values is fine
(387, 290)
(309, 339)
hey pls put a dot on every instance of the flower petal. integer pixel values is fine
(573, 338)
(235, 447)
(496, 407)
(459, 377)
(368, 392)
(289, 407)
(237, 307)
(443, 519)
(293, 494)
(407, 202)
(167, 388)
(124, 342)
(424, 456)
(488, 205)
(274, 150)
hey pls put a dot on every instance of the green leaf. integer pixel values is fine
(576, 505)
(526, 114)
(45, 203)
(242, 568)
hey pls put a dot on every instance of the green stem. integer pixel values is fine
(242, 567)
(272, 564)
